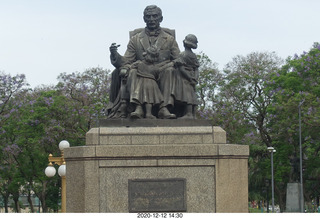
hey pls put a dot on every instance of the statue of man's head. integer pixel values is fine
(152, 16)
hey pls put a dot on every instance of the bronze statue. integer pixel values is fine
(144, 92)
(188, 65)
(131, 77)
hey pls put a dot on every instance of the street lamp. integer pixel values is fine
(272, 150)
(50, 171)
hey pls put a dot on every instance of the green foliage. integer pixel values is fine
(238, 102)
(36, 121)
(209, 81)
(87, 94)
(245, 86)
(216, 107)
(297, 83)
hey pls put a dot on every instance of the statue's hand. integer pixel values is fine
(123, 73)
(193, 81)
(164, 65)
(113, 48)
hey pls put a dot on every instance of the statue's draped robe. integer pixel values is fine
(144, 87)
(185, 92)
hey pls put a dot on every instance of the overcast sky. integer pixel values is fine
(43, 38)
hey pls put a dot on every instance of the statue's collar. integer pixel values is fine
(153, 33)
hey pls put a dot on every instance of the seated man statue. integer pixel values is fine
(140, 40)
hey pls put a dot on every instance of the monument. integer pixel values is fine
(293, 199)
(151, 154)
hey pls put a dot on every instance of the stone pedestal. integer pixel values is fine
(160, 165)
(293, 203)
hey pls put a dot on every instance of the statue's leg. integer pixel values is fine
(189, 112)
(194, 111)
(115, 85)
(122, 110)
(149, 111)
(166, 85)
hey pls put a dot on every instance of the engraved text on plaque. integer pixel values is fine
(157, 195)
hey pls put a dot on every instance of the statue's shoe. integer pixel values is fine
(150, 117)
(136, 115)
(165, 114)
(187, 116)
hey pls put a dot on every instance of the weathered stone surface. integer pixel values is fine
(293, 203)
(152, 123)
(200, 186)
(80, 151)
(219, 135)
(233, 149)
(92, 137)
(160, 195)
(216, 173)
(231, 185)
(155, 135)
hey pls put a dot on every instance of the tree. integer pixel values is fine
(33, 122)
(9, 87)
(240, 107)
(26, 129)
(88, 95)
(209, 80)
(245, 87)
(297, 82)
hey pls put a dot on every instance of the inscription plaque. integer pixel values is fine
(157, 195)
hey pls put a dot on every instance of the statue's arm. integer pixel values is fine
(185, 72)
(130, 55)
(196, 78)
(175, 51)
(115, 57)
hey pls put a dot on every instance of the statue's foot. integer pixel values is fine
(150, 116)
(137, 114)
(187, 116)
(165, 114)
(122, 111)
(120, 114)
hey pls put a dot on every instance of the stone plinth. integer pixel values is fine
(215, 173)
(293, 200)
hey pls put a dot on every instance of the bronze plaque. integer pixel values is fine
(157, 195)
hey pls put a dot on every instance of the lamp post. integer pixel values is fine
(301, 179)
(272, 150)
(50, 171)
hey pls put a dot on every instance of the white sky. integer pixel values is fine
(43, 38)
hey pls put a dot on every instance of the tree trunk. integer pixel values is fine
(42, 197)
(6, 203)
(43, 204)
(5, 195)
(16, 204)
(30, 202)
(281, 197)
(41, 194)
